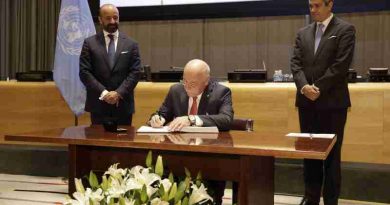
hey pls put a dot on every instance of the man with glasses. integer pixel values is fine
(197, 101)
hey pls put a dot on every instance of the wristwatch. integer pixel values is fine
(192, 120)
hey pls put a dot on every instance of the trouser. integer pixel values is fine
(323, 174)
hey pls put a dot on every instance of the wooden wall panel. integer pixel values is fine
(142, 33)
(230, 43)
(37, 106)
(187, 41)
(161, 43)
(214, 46)
(372, 40)
(239, 49)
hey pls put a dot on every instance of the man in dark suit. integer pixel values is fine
(109, 69)
(198, 101)
(322, 55)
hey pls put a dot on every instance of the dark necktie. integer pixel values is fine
(111, 50)
(194, 107)
(319, 34)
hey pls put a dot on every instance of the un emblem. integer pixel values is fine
(73, 28)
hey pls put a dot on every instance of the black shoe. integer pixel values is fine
(305, 201)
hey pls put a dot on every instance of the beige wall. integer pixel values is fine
(230, 43)
(39, 106)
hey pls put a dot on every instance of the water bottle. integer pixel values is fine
(278, 76)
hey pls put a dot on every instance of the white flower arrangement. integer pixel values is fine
(140, 186)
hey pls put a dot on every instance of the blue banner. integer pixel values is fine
(74, 25)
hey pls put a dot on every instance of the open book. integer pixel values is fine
(147, 129)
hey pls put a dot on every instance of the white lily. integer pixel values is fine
(166, 184)
(115, 172)
(142, 177)
(129, 201)
(95, 196)
(79, 185)
(158, 201)
(116, 189)
(198, 194)
(84, 198)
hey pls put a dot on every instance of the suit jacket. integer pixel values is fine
(327, 68)
(215, 106)
(97, 75)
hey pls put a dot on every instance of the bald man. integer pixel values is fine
(109, 69)
(197, 101)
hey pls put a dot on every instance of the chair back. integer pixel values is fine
(244, 124)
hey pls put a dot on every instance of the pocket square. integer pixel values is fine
(332, 37)
(123, 52)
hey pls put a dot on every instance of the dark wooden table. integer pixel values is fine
(243, 157)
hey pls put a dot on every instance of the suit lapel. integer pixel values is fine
(311, 40)
(328, 32)
(202, 109)
(102, 45)
(184, 102)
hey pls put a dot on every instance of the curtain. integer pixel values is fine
(28, 33)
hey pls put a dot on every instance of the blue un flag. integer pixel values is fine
(74, 25)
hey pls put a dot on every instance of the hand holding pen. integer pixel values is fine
(157, 120)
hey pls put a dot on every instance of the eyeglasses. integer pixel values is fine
(189, 84)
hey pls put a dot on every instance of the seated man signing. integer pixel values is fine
(198, 101)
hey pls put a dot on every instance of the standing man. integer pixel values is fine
(198, 101)
(322, 55)
(109, 69)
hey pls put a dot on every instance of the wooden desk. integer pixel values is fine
(244, 157)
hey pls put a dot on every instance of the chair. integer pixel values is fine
(243, 124)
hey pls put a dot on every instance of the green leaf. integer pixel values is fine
(79, 185)
(149, 159)
(180, 191)
(170, 177)
(178, 203)
(185, 201)
(93, 182)
(161, 190)
(199, 176)
(173, 191)
(104, 185)
(111, 202)
(159, 166)
(144, 195)
(165, 197)
(198, 180)
(187, 182)
(122, 201)
(188, 173)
